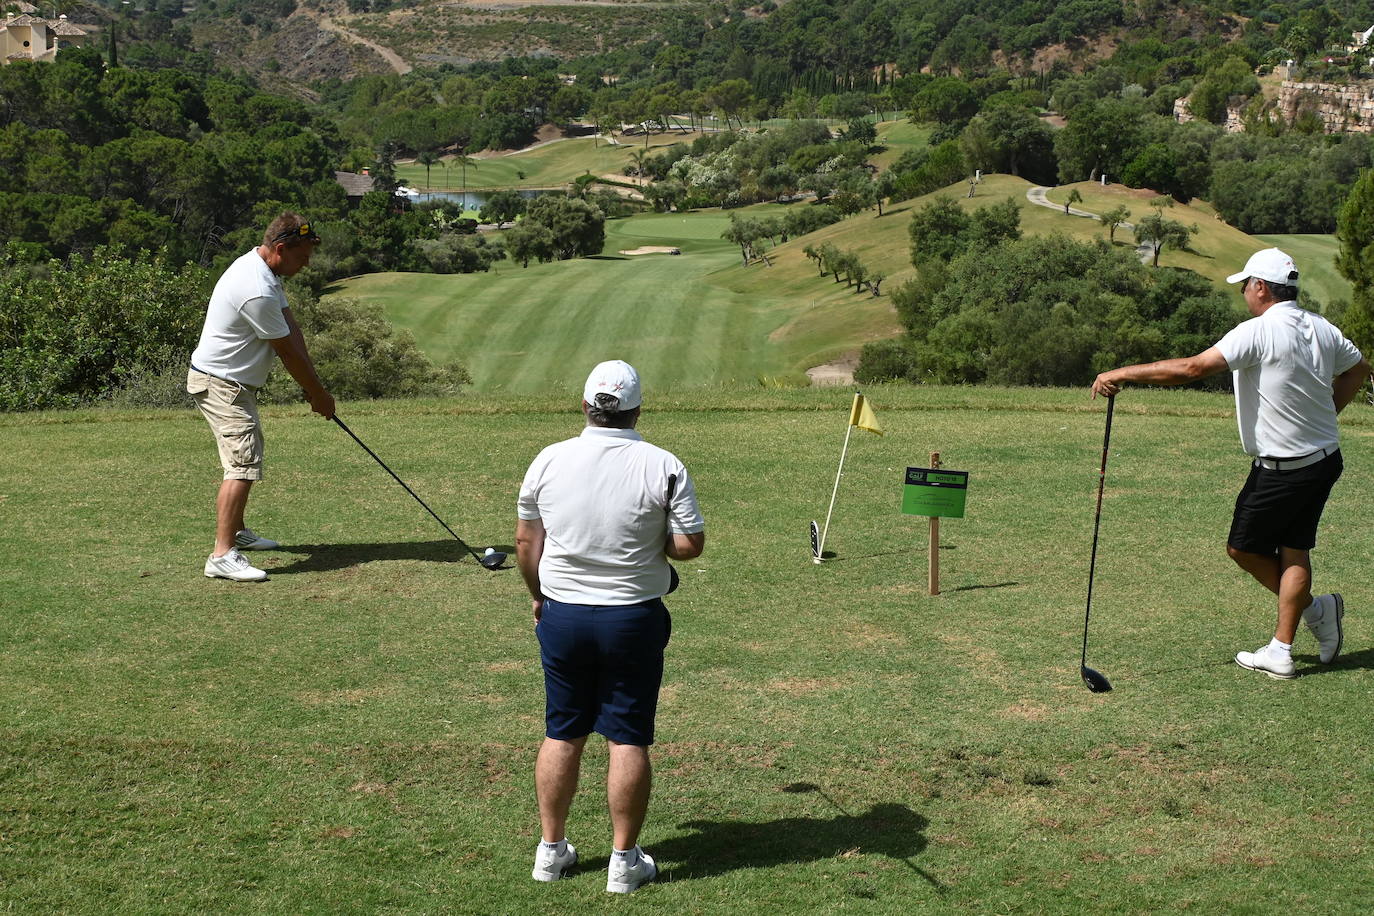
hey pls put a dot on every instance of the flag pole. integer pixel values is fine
(849, 428)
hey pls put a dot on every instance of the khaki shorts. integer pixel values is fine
(231, 410)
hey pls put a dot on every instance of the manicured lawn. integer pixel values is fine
(1214, 252)
(1316, 259)
(358, 733)
(549, 166)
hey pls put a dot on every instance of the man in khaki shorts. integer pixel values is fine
(247, 322)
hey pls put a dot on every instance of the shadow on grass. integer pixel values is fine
(1346, 661)
(326, 557)
(718, 847)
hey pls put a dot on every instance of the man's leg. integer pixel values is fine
(1295, 591)
(628, 781)
(1263, 566)
(229, 508)
(1289, 576)
(555, 783)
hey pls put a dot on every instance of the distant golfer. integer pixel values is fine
(247, 322)
(595, 523)
(1293, 371)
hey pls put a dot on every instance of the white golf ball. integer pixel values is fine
(490, 551)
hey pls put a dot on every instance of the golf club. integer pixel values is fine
(1096, 681)
(492, 559)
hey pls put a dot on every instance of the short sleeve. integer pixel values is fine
(1241, 346)
(527, 504)
(1347, 355)
(264, 314)
(684, 515)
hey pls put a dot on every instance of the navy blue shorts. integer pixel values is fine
(1281, 508)
(602, 668)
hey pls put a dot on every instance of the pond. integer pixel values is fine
(472, 200)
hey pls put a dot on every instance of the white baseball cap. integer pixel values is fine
(616, 378)
(1270, 264)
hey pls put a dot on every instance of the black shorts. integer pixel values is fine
(1281, 508)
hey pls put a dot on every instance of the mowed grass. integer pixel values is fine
(358, 733)
(1315, 256)
(1216, 250)
(687, 319)
(705, 318)
(550, 165)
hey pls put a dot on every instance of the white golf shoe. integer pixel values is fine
(624, 877)
(234, 566)
(248, 540)
(1274, 664)
(549, 865)
(1323, 618)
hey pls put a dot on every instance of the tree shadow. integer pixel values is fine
(605, 257)
(717, 847)
(327, 557)
(830, 555)
(969, 588)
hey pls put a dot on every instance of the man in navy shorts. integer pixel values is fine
(599, 516)
(1293, 372)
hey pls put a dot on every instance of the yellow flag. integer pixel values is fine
(861, 415)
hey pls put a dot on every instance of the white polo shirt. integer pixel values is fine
(603, 500)
(1283, 363)
(245, 313)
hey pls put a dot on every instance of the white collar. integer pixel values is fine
(592, 432)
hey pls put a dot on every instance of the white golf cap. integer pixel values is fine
(616, 378)
(1270, 264)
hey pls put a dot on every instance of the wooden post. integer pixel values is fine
(934, 539)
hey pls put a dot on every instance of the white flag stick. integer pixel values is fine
(847, 430)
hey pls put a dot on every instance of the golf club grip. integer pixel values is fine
(394, 477)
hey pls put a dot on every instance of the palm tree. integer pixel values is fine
(638, 157)
(463, 160)
(427, 158)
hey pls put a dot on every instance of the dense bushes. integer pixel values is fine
(111, 329)
(359, 355)
(71, 334)
(1045, 311)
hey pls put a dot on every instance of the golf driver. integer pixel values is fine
(492, 559)
(1096, 681)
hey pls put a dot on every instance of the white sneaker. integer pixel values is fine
(623, 878)
(1325, 624)
(247, 540)
(550, 866)
(1271, 663)
(233, 565)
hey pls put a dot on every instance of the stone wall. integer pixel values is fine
(1341, 109)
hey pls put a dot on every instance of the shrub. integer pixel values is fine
(358, 354)
(72, 333)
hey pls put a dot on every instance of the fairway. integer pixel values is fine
(1315, 256)
(690, 320)
(358, 734)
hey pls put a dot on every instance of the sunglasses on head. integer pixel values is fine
(303, 231)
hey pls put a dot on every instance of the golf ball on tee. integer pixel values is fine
(490, 551)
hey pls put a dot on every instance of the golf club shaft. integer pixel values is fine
(407, 489)
(1097, 521)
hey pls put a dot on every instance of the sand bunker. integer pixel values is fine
(653, 249)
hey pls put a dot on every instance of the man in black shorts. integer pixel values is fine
(1293, 371)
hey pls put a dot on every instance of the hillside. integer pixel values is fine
(703, 318)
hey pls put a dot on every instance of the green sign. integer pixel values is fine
(934, 492)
